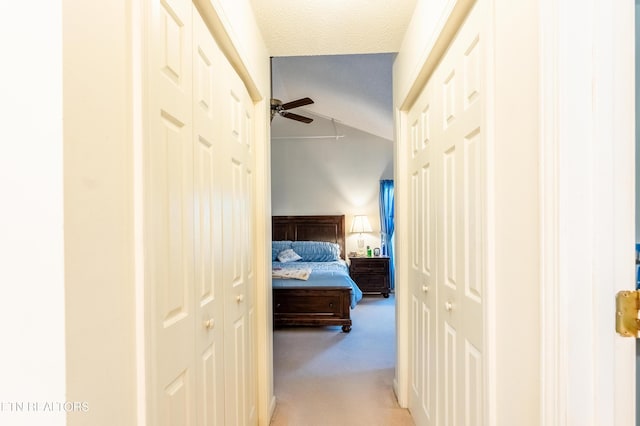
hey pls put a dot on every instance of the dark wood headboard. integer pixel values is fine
(309, 228)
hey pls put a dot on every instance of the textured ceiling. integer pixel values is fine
(339, 53)
(331, 27)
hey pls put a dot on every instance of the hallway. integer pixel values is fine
(326, 377)
(558, 231)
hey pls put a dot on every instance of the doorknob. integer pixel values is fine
(208, 324)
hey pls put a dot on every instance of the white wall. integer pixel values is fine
(425, 26)
(514, 213)
(99, 211)
(329, 176)
(32, 370)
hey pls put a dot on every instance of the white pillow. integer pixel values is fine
(288, 255)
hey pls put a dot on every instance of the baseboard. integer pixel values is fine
(395, 393)
(272, 408)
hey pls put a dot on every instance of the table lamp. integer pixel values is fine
(360, 224)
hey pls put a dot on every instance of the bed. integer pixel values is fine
(325, 294)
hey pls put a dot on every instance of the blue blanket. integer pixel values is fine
(323, 274)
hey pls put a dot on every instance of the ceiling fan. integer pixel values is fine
(277, 107)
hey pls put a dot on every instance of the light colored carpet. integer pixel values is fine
(324, 377)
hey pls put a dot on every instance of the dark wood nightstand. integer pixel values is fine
(371, 274)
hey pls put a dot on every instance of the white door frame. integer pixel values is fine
(587, 209)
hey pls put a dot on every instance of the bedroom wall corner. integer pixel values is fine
(327, 177)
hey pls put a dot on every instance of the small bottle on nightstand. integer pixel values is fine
(368, 251)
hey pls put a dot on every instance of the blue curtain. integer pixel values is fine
(387, 224)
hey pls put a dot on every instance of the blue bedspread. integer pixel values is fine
(323, 274)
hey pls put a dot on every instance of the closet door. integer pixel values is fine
(199, 223)
(237, 224)
(169, 215)
(423, 269)
(446, 284)
(460, 147)
(208, 190)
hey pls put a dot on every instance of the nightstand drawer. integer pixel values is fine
(372, 282)
(369, 267)
(370, 264)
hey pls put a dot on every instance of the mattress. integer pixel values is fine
(323, 274)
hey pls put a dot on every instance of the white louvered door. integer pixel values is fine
(199, 224)
(446, 280)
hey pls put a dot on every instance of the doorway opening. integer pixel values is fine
(334, 165)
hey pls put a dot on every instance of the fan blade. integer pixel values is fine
(296, 117)
(297, 103)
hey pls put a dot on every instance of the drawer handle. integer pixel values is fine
(209, 324)
(239, 298)
(448, 306)
(425, 288)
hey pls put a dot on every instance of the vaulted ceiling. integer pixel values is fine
(353, 90)
(340, 54)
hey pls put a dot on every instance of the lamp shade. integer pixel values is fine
(360, 224)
